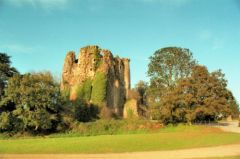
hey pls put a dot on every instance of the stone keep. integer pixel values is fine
(91, 60)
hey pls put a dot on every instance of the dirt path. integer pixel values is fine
(219, 151)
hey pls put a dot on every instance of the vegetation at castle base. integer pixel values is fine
(31, 104)
(6, 71)
(182, 91)
(84, 112)
(169, 138)
(91, 96)
(99, 86)
(112, 126)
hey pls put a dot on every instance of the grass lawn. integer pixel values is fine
(169, 138)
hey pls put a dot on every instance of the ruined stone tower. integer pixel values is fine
(91, 61)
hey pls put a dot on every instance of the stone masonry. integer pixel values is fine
(91, 60)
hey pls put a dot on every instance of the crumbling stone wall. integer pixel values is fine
(89, 62)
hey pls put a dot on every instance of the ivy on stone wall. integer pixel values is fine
(99, 89)
(84, 90)
(97, 59)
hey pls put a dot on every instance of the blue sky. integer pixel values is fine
(38, 33)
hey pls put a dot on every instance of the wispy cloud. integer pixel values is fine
(16, 49)
(45, 4)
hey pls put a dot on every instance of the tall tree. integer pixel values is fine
(166, 66)
(6, 71)
(169, 64)
(200, 97)
(31, 103)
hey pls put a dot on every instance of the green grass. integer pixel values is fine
(169, 138)
(2, 136)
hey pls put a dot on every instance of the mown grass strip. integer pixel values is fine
(169, 139)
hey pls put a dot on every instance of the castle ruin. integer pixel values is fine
(90, 61)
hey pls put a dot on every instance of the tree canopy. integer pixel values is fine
(169, 64)
(166, 67)
(6, 71)
(201, 96)
(31, 103)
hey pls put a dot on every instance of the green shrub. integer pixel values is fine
(109, 127)
(5, 121)
(84, 112)
(66, 93)
(99, 89)
(84, 90)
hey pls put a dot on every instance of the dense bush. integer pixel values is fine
(84, 112)
(76, 111)
(6, 121)
(107, 127)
